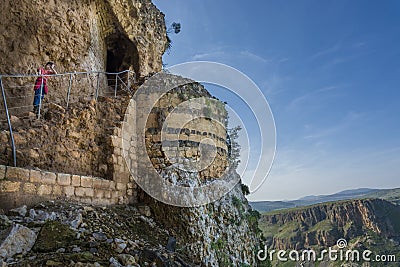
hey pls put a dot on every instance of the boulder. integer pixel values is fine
(16, 240)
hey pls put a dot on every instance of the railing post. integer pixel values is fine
(97, 86)
(128, 82)
(40, 97)
(9, 123)
(69, 89)
(116, 85)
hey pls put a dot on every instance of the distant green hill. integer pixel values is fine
(392, 195)
(367, 223)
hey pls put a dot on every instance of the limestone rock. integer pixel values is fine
(79, 35)
(52, 236)
(115, 263)
(21, 211)
(18, 239)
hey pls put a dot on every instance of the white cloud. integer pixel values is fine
(346, 122)
(253, 56)
(327, 51)
(211, 55)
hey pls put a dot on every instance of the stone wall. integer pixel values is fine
(23, 186)
(204, 130)
(79, 141)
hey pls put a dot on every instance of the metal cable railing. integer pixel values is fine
(20, 85)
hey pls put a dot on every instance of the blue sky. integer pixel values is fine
(330, 71)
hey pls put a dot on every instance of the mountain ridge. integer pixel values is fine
(392, 195)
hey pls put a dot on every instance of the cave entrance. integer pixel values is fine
(122, 54)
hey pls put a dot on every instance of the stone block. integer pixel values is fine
(57, 190)
(63, 179)
(14, 173)
(114, 195)
(44, 190)
(84, 192)
(107, 194)
(86, 181)
(121, 186)
(105, 184)
(97, 183)
(35, 176)
(68, 191)
(76, 180)
(111, 185)
(48, 178)
(29, 188)
(98, 193)
(2, 172)
(9, 186)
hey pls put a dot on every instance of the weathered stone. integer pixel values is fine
(17, 173)
(126, 259)
(111, 185)
(75, 222)
(2, 172)
(76, 180)
(44, 190)
(48, 178)
(98, 193)
(9, 187)
(63, 179)
(35, 176)
(68, 191)
(115, 263)
(53, 236)
(121, 186)
(18, 239)
(84, 192)
(98, 184)
(100, 236)
(29, 188)
(119, 245)
(57, 190)
(21, 211)
(86, 181)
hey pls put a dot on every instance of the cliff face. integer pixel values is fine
(79, 35)
(324, 224)
(222, 233)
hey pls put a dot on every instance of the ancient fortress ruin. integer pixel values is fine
(75, 150)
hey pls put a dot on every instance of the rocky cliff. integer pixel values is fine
(79, 35)
(322, 225)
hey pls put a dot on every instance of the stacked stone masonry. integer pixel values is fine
(49, 185)
(186, 141)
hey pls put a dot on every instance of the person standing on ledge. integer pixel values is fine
(41, 88)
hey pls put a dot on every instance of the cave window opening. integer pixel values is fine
(122, 54)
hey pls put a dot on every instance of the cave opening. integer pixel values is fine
(122, 54)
